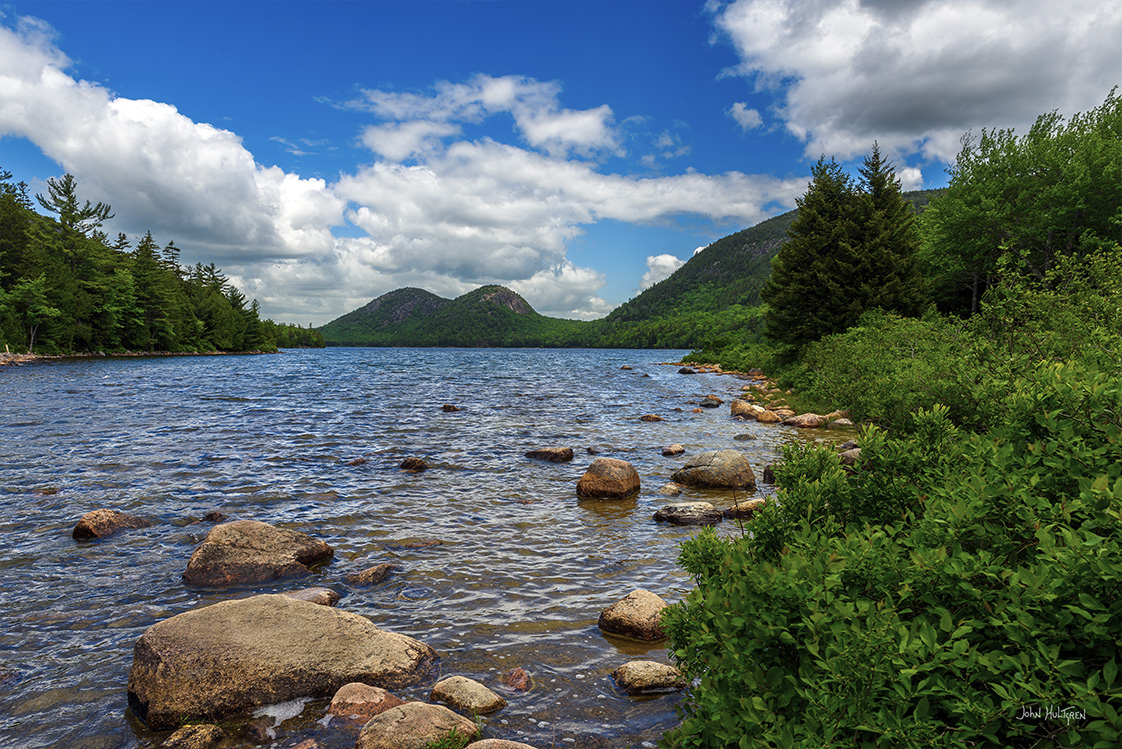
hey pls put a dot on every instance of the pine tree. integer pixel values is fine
(807, 291)
(889, 276)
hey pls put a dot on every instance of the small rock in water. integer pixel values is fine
(608, 478)
(103, 523)
(320, 596)
(370, 575)
(769, 474)
(711, 401)
(625, 367)
(202, 736)
(648, 677)
(214, 516)
(357, 462)
(466, 694)
(686, 370)
(552, 454)
(689, 513)
(415, 724)
(670, 489)
(745, 510)
(744, 437)
(637, 616)
(358, 703)
(650, 417)
(449, 408)
(517, 679)
(674, 449)
(414, 464)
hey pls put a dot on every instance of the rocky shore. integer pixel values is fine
(213, 667)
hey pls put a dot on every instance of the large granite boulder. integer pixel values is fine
(637, 616)
(415, 725)
(689, 513)
(226, 659)
(102, 523)
(467, 695)
(608, 478)
(648, 677)
(717, 469)
(248, 551)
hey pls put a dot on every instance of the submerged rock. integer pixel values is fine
(637, 616)
(650, 417)
(517, 679)
(608, 478)
(648, 677)
(717, 469)
(248, 551)
(371, 575)
(468, 695)
(103, 523)
(416, 465)
(415, 725)
(223, 660)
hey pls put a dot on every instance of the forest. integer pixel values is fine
(961, 585)
(65, 287)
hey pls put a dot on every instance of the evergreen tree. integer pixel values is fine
(851, 249)
(808, 292)
(889, 273)
(62, 198)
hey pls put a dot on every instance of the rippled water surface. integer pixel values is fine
(519, 576)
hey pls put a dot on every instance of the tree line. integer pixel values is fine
(65, 287)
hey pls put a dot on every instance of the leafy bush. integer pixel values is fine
(958, 590)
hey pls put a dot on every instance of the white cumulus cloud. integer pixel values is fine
(659, 268)
(915, 76)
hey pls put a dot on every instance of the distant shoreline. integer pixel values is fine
(9, 359)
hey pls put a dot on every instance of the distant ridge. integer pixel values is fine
(711, 295)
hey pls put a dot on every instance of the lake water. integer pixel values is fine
(522, 571)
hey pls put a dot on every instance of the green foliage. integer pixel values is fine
(1049, 193)
(64, 288)
(887, 367)
(954, 582)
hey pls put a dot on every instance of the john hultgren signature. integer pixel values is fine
(1050, 712)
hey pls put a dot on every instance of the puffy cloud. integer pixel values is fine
(659, 267)
(916, 76)
(748, 119)
(564, 290)
(156, 167)
(535, 106)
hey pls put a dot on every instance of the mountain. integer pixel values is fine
(715, 295)
(490, 316)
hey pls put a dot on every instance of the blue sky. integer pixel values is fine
(325, 153)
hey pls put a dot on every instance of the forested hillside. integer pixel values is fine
(65, 287)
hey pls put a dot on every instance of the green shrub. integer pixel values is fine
(955, 584)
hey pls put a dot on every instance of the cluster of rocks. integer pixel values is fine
(218, 663)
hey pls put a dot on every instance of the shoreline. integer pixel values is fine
(8, 359)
